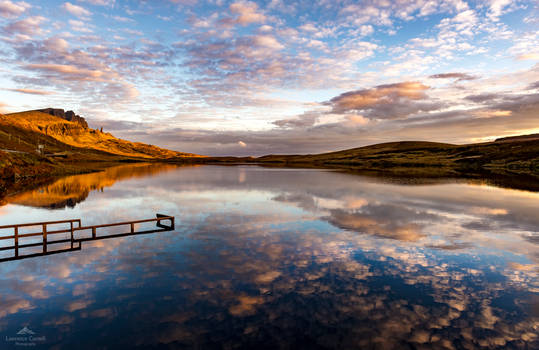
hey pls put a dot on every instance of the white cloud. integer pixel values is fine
(100, 2)
(13, 9)
(496, 8)
(76, 10)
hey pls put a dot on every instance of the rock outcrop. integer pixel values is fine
(69, 115)
(72, 117)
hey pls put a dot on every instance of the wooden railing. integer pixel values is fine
(158, 219)
(74, 239)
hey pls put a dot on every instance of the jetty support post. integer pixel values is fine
(16, 238)
(44, 238)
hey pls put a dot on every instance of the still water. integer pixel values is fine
(277, 258)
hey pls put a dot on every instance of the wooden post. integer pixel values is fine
(16, 241)
(132, 228)
(44, 238)
(93, 232)
(71, 227)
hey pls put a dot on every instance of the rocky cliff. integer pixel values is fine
(69, 115)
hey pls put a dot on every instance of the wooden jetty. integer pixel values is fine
(75, 232)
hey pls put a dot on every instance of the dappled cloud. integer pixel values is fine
(261, 250)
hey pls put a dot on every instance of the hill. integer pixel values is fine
(514, 155)
(38, 145)
(416, 158)
(519, 138)
(72, 132)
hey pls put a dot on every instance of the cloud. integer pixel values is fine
(247, 13)
(99, 2)
(366, 224)
(389, 101)
(122, 19)
(76, 10)
(458, 76)
(496, 8)
(529, 56)
(484, 97)
(69, 72)
(29, 26)
(302, 121)
(31, 91)
(267, 41)
(13, 9)
(79, 26)
(492, 113)
(185, 2)
(56, 44)
(362, 99)
(242, 144)
(232, 71)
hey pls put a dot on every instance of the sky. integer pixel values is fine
(241, 78)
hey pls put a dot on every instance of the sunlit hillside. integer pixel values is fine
(75, 135)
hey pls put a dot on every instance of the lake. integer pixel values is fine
(268, 258)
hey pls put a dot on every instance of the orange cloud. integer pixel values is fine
(382, 94)
(488, 113)
(529, 56)
(32, 91)
(84, 74)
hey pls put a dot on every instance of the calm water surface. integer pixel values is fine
(277, 258)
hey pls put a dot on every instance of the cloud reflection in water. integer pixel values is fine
(289, 258)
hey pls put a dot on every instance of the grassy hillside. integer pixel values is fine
(518, 155)
(19, 161)
(417, 158)
(68, 148)
(36, 125)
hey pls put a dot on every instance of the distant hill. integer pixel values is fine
(517, 154)
(519, 138)
(417, 158)
(68, 131)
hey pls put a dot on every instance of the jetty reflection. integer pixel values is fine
(50, 244)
